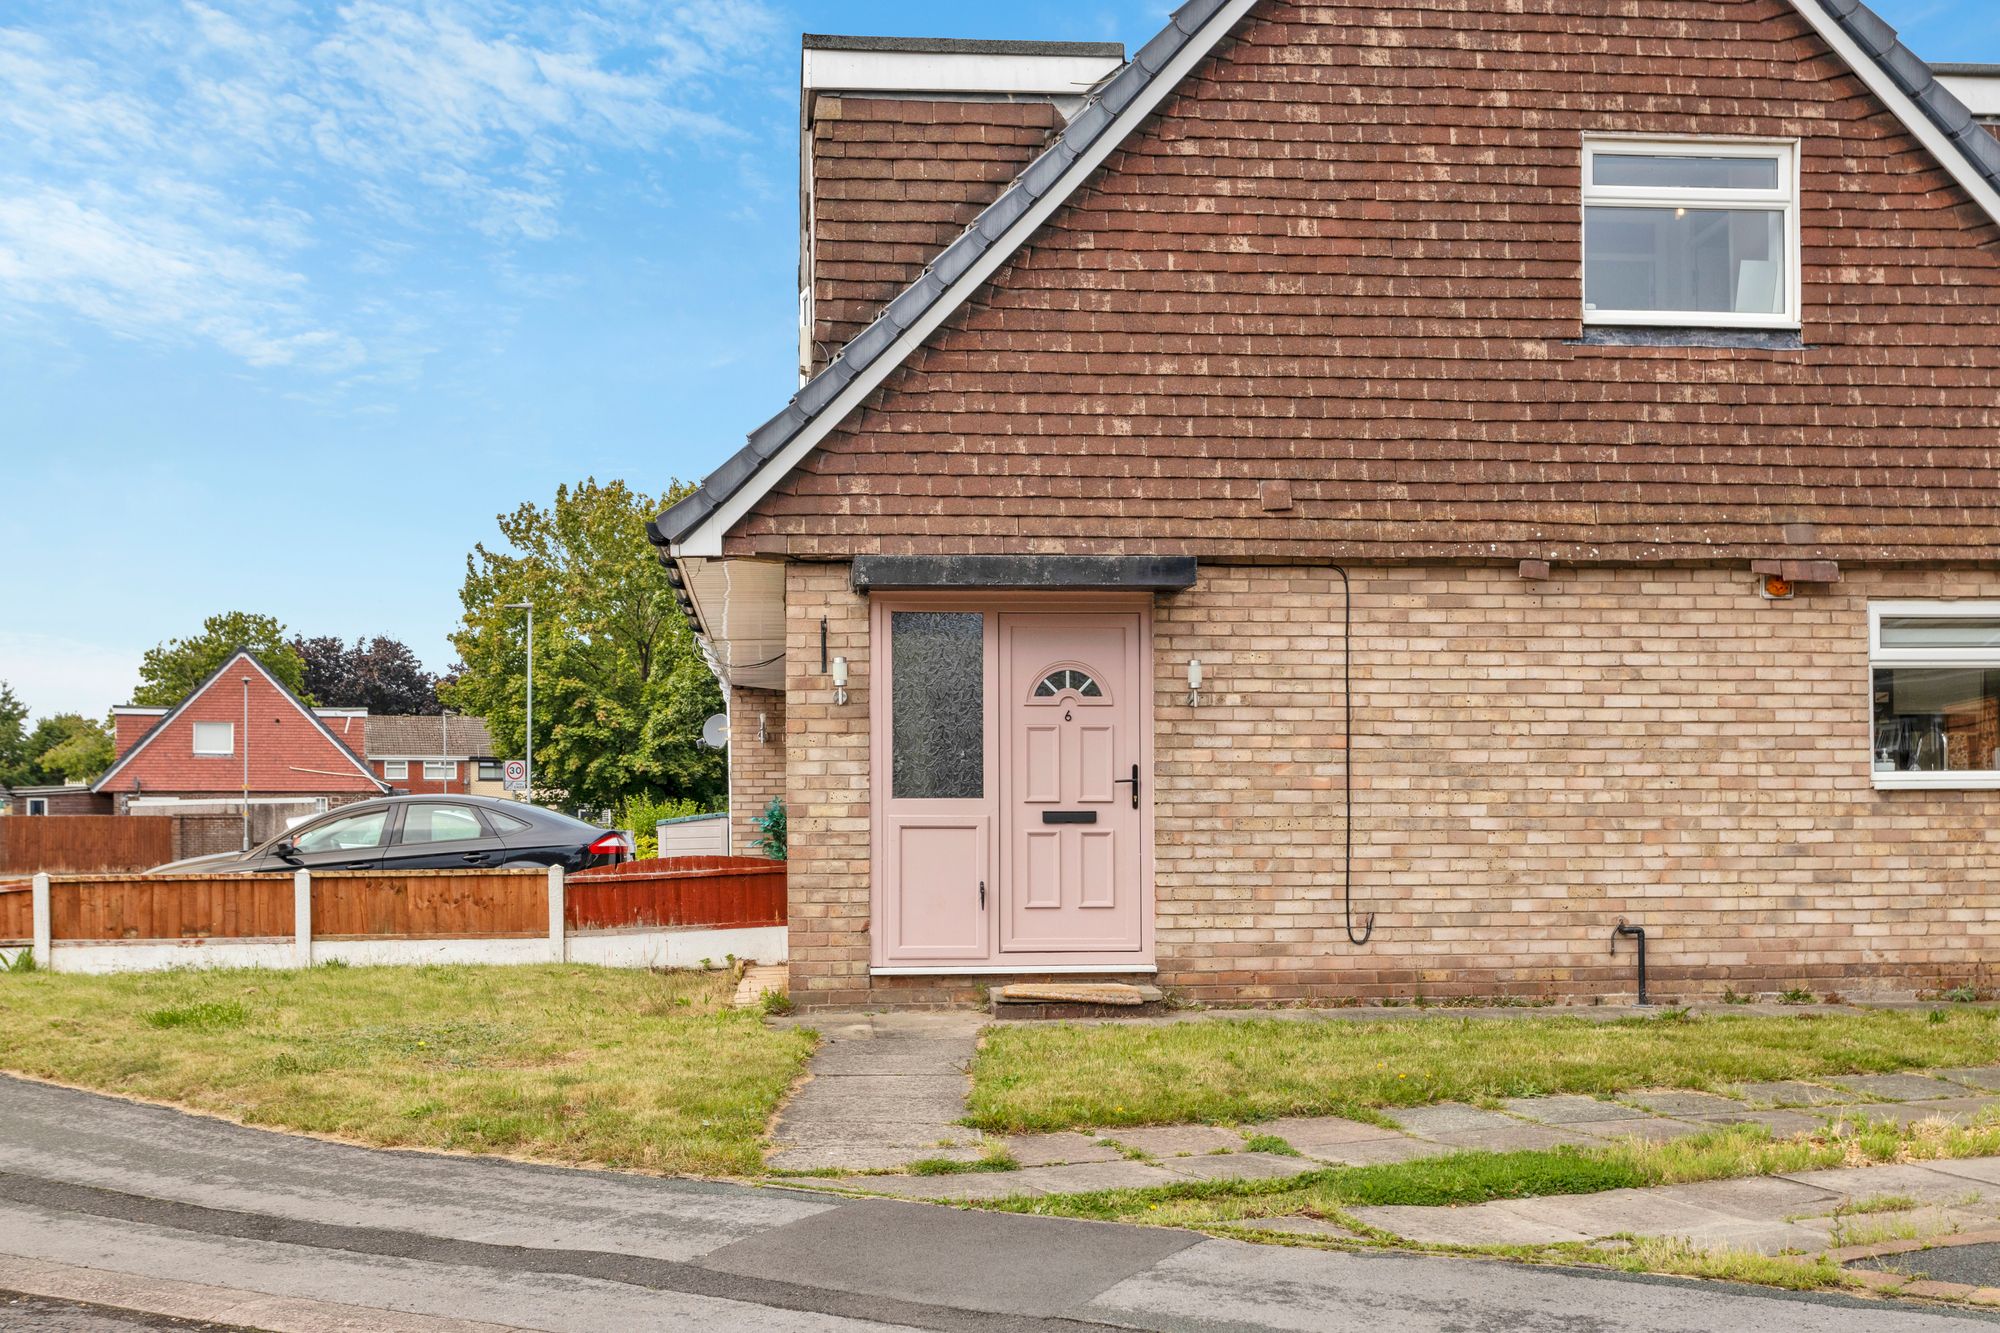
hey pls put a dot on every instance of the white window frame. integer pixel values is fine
(450, 773)
(35, 805)
(1784, 199)
(1878, 656)
(195, 741)
(396, 768)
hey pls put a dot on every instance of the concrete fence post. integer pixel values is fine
(558, 933)
(302, 918)
(40, 907)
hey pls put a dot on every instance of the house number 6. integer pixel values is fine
(1066, 715)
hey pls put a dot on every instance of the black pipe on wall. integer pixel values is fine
(1638, 933)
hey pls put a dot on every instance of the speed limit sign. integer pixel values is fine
(514, 777)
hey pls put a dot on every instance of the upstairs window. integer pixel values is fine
(1695, 233)
(214, 739)
(440, 770)
(1936, 679)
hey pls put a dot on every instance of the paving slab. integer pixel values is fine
(1924, 1183)
(1087, 1177)
(885, 1090)
(1569, 1109)
(1739, 1234)
(1640, 1211)
(1986, 1076)
(1174, 1140)
(1516, 1137)
(1479, 1224)
(1928, 1222)
(1653, 1130)
(1446, 1118)
(1684, 1103)
(1241, 1166)
(1792, 1092)
(1893, 1087)
(1757, 1198)
(1982, 1170)
(1782, 1124)
(1309, 1134)
(1382, 1152)
(1957, 1110)
(1059, 1149)
(954, 1188)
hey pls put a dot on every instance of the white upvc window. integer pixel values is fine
(1935, 686)
(395, 768)
(440, 770)
(1699, 233)
(37, 805)
(214, 739)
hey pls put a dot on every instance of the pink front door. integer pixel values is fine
(1012, 783)
(1071, 783)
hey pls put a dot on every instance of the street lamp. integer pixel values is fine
(529, 607)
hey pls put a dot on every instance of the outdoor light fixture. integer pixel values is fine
(1194, 682)
(840, 680)
(763, 734)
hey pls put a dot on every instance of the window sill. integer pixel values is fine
(1947, 781)
(1752, 340)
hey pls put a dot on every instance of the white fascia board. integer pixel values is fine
(951, 72)
(1979, 92)
(706, 540)
(1870, 72)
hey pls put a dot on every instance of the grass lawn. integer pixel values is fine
(1228, 1071)
(578, 1065)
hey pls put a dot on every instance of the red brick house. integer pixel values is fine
(241, 735)
(1363, 498)
(445, 753)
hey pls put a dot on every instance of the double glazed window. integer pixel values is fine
(1690, 232)
(1936, 689)
(214, 739)
(937, 736)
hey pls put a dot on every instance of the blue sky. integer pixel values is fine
(294, 298)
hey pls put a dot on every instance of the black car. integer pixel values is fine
(424, 833)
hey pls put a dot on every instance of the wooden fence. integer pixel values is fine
(684, 893)
(83, 844)
(678, 891)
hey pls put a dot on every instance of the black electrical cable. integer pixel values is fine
(1347, 764)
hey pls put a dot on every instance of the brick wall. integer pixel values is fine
(1533, 761)
(756, 768)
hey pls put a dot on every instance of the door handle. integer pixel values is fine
(1134, 780)
(474, 858)
(982, 895)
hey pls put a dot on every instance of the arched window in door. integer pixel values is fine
(1068, 678)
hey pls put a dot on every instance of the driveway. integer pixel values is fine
(134, 1207)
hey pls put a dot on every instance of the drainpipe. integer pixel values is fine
(1638, 933)
(1367, 931)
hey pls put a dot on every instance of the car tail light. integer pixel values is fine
(611, 844)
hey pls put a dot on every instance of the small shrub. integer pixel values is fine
(1731, 996)
(642, 815)
(1961, 995)
(775, 1003)
(202, 1016)
(772, 825)
(1795, 995)
(24, 961)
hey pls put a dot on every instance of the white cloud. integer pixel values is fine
(203, 174)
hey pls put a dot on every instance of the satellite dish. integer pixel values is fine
(715, 731)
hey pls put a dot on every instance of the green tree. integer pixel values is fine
(13, 733)
(171, 671)
(68, 747)
(620, 686)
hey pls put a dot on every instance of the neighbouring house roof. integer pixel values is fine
(973, 46)
(453, 737)
(245, 656)
(695, 526)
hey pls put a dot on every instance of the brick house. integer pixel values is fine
(425, 755)
(1362, 499)
(241, 737)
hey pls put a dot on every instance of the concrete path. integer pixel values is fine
(1141, 1158)
(884, 1090)
(147, 1210)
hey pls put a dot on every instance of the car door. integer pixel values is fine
(444, 835)
(341, 842)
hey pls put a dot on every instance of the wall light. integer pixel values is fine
(840, 680)
(1194, 682)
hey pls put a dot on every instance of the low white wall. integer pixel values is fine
(411, 953)
(101, 957)
(606, 948)
(677, 948)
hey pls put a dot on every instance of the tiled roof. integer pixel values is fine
(415, 737)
